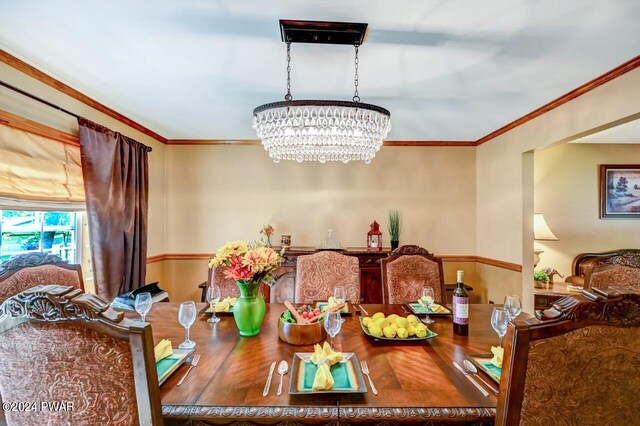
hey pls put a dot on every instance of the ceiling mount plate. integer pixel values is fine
(322, 32)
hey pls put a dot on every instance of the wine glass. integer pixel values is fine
(186, 316)
(332, 324)
(143, 304)
(426, 300)
(213, 297)
(339, 295)
(499, 322)
(513, 306)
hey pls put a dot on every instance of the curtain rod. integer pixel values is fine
(38, 99)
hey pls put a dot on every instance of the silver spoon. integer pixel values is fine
(283, 367)
(468, 365)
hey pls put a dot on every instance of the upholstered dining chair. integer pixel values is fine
(622, 271)
(31, 269)
(318, 274)
(577, 363)
(58, 344)
(409, 268)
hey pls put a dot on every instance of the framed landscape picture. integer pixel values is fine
(620, 191)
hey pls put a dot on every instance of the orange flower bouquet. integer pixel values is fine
(249, 264)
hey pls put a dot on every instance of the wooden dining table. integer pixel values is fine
(416, 381)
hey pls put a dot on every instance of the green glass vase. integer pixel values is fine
(249, 309)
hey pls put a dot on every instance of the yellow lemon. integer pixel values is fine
(420, 326)
(402, 322)
(412, 319)
(375, 331)
(366, 321)
(403, 333)
(378, 315)
(389, 332)
(421, 332)
(392, 318)
(411, 331)
(394, 326)
(380, 322)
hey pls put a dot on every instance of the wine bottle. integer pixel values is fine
(460, 308)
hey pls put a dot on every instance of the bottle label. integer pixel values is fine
(460, 310)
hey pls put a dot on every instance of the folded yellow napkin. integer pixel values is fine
(163, 349)
(225, 304)
(331, 302)
(498, 353)
(439, 309)
(324, 357)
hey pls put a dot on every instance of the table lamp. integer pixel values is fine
(541, 232)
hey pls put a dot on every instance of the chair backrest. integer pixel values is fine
(622, 270)
(576, 363)
(60, 344)
(31, 269)
(318, 274)
(409, 268)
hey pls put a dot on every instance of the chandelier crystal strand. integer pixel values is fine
(321, 130)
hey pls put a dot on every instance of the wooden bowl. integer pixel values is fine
(297, 334)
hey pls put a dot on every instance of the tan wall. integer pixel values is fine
(221, 193)
(505, 183)
(566, 192)
(25, 107)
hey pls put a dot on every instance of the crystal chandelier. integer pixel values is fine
(321, 130)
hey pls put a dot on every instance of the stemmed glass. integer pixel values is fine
(499, 322)
(513, 306)
(213, 297)
(339, 295)
(332, 324)
(426, 300)
(143, 304)
(186, 316)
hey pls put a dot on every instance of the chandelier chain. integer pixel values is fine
(288, 96)
(356, 95)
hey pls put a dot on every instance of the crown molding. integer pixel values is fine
(585, 88)
(35, 73)
(22, 66)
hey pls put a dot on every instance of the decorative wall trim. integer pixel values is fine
(579, 91)
(445, 258)
(31, 71)
(30, 126)
(257, 142)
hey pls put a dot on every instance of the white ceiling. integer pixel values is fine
(446, 69)
(624, 133)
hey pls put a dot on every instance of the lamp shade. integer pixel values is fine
(541, 230)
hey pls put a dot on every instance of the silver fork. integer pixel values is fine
(365, 369)
(194, 362)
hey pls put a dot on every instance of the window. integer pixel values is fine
(59, 233)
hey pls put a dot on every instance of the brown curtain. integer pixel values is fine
(116, 184)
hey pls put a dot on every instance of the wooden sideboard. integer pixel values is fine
(370, 274)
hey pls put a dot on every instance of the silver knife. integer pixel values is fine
(364, 310)
(476, 384)
(266, 386)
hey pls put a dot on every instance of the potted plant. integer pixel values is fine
(394, 228)
(249, 264)
(541, 279)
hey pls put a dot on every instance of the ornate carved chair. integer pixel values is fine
(58, 344)
(577, 363)
(31, 269)
(622, 270)
(407, 270)
(318, 274)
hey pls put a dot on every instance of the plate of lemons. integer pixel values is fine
(395, 327)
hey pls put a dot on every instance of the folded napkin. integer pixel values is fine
(574, 288)
(439, 309)
(331, 302)
(324, 357)
(225, 304)
(163, 349)
(498, 353)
